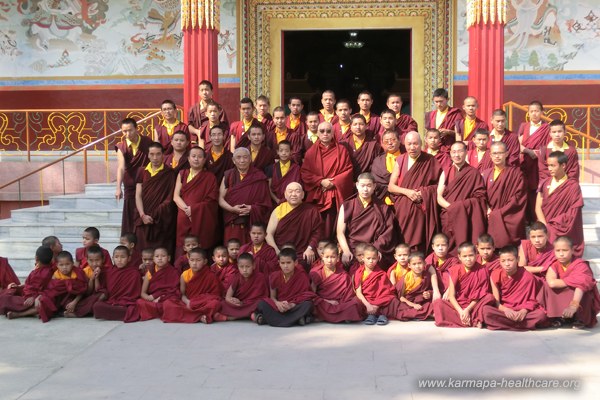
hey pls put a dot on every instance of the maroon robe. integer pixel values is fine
(459, 127)
(382, 177)
(296, 138)
(122, 289)
(562, 210)
(295, 290)
(163, 285)
(205, 135)
(517, 292)
(507, 198)
(198, 119)
(418, 221)
(406, 312)
(529, 166)
(165, 139)
(249, 291)
(465, 219)
(441, 270)
(237, 131)
(337, 131)
(202, 195)
(373, 126)
(513, 147)
(135, 258)
(37, 281)
(300, 129)
(182, 263)
(538, 258)
(481, 165)
(571, 169)
(60, 292)
(268, 129)
(182, 163)
(492, 264)
(220, 165)
(7, 275)
(265, 259)
(204, 292)
(363, 157)
(157, 197)
(378, 290)
(301, 226)
(577, 275)
(225, 274)
(453, 115)
(337, 287)
(469, 286)
(405, 123)
(264, 158)
(132, 165)
(81, 257)
(279, 182)
(332, 120)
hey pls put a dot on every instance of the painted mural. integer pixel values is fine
(543, 36)
(228, 38)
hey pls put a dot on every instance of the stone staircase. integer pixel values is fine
(65, 217)
(591, 226)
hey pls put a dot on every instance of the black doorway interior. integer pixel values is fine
(347, 62)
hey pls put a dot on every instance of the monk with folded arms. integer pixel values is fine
(536, 254)
(571, 294)
(514, 289)
(95, 272)
(336, 300)
(290, 300)
(415, 290)
(468, 292)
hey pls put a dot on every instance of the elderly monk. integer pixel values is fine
(462, 196)
(364, 218)
(132, 154)
(295, 222)
(244, 197)
(507, 199)
(383, 165)
(327, 176)
(414, 179)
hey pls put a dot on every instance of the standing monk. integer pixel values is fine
(197, 117)
(132, 154)
(478, 153)
(365, 101)
(559, 143)
(414, 180)
(343, 110)
(362, 147)
(467, 126)
(239, 130)
(218, 157)
(404, 122)
(499, 133)
(296, 121)
(327, 113)
(327, 176)
(444, 117)
(170, 124)
(264, 117)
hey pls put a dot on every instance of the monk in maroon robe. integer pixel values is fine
(414, 181)
(363, 149)
(283, 172)
(327, 113)
(262, 156)
(132, 156)
(558, 143)
(466, 127)
(239, 130)
(327, 175)
(383, 165)
(177, 159)
(462, 196)
(156, 214)
(404, 122)
(94, 272)
(335, 299)
(486, 255)
(515, 290)
(199, 114)
(244, 197)
(439, 263)
(571, 290)
(264, 256)
(415, 291)
(218, 158)
(169, 125)
(559, 203)
(8, 278)
(373, 124)
(444, 117)
(434, 146)
(478, 154)
(283, 132)
(223, 267)
(295, 122)
(499, 133)
(341, 128)
(507, 199)
(537, 254)
(262, 115)
(468, 292)
(196, 196)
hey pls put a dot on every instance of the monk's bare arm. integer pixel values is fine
(495, 292)
(538, 209)
(177, 194)
(275, 199)
(452, 296)
(553, 280)
(341, 237)
(139, 204)
(434, 283)
(144, 295)
(522, 259)
(155, 135)
(120, 174)
(224, 204)
(394, 188)
(570, 311)
(271, 228)
(182, 286)
(440, 191)
(371, 309)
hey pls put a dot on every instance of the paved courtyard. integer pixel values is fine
(90, 359)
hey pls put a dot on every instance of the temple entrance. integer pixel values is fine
(347, 62)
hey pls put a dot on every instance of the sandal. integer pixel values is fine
(258, 318)
(370, 320)
(578, 325)
(557, 323)
(382, 320)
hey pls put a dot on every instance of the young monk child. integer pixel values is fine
(147, 261)
(247, 288)
(53, 243)
(129, 240)
(222, 267)
(486, 252)
(320, 248)
(335, 301)
(122, 288)
(414, 290)
(400, 267)
(537, 254)
(22, 301)
(468, 292)
(290, 295)
(359, 255)
(374, 290)
(90, 237)
(233, 250)
(571, 294)
(200, 293)
(160, 284)
(183, 262)
(8, 278)
(514, 289)
(433, 146)
(283, 172)
(439, 262)
(478, 154)
(65, 290)
(264, 256)
(95, 273)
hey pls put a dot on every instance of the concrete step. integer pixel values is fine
(26, 247)
(595, 266)
(91, 202)
(591, 203)
(18, 230)
(52, 216)
(590, 190)
(591, 232)
(592, 250)
(107, 189)
(590, 217)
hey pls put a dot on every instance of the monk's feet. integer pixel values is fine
(578, 325)
(203, 319)
(557, 323)
(370, 320)
(258, 318)
(218, 317)
(67, 314)
(10, 315)
(479, 325)
(382, 320)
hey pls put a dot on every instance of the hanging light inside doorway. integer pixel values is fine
(353, 43)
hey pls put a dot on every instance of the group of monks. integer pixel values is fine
(289, 187)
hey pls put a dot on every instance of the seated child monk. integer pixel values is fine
(374, 289)
(147, 261)
(335, 301)
(8, 278)
(571, 294)
(357, 262)
(90, 237)
(233, 250)
(247, 288)
(129, 240)
(65, 290)
(94, 272)
(537, 254)
(486, 255)
(189, 242)
(468, 292)
(200, 293)
(222, 267)
(290, 295)
(400, 267)
(319, 258)
(438, 264)
(160, 284)
(265, 258)
(22, 301)
(122, 288)
(414, 290)
(53, 243)
(514, 289)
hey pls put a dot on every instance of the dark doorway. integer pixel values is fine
(315, 61)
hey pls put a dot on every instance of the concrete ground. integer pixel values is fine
(90, 359)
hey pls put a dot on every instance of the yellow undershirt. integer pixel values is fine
(564, 147)
(187, 275)
(152, 171)
(327, 116)
(281, 134)
(170, 127)
(554, 184)
(285, 167)
(439, 118)
(134, 146)
(411, 282)
(282, 210)
(62, 277)
(216, 156)
(191, 176)
(294, 121)
(469, 126)
(497, 172)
